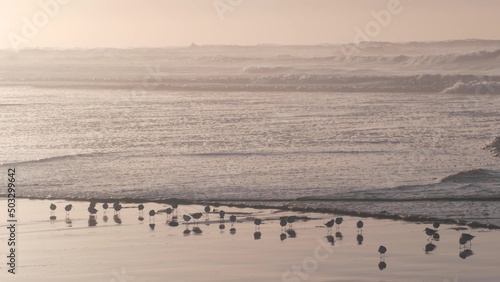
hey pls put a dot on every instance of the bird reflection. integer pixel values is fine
(360, 239)
(92, 220)
(330, 239)
(291, 233)
(152, 226)
(339, 235)
(197, 230)
(68, 221)
(465, 253)
(257, 235)
(282, 236)
(105, 218)
(429, 248)
(222, 226)
(117, 219)
(382, 265)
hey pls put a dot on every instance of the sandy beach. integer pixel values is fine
(71, 250)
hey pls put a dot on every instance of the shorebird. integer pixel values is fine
(186, 218)
(197, 216)
(232, 218)
(291, 220)
(257, 223)
(382, 250)
(117, 207)
(175, 206)
(359, 225)
(168, 211)
(207, 210)
(429, 232)
(67, 209)
(105, 207)
(329, 225)
(140, 208)
(466, 238)
(436, 236)
(151, 215)
(92, 210)
(436, 225)
(339, 221)
(222, 214)
(283, 223)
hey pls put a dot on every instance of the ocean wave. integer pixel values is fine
(428, 83)
(474, 175)
(54, 159)
(494, 146)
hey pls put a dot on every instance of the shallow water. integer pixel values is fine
(108, 143)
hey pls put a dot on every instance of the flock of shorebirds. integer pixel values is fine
(285, 223)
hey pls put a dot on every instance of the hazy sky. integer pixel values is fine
(135, 23)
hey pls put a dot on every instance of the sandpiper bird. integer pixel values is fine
(222, 214)
(168, 211)
(257, 223)
(175, 206)
(330, 224)
(382, 250)
(232, 218)
(197, 216)
(105, 207)
(429, 232)
(283, 223)
(67, 209)
(117, 207)
(436, 225)
(151, 215)
(359, 225)
(466, 238)
(207, 209)
(92, 210)
(140, 208)
(186, 218)
(291, 220)
(338, 221)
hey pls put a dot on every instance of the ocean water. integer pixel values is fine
(397, 129)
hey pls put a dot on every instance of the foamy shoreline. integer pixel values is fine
(55, 250)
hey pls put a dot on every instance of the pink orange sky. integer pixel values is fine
(158, 23)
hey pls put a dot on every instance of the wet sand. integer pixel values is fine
(63, 250)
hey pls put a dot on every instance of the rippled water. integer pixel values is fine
(363, 148)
